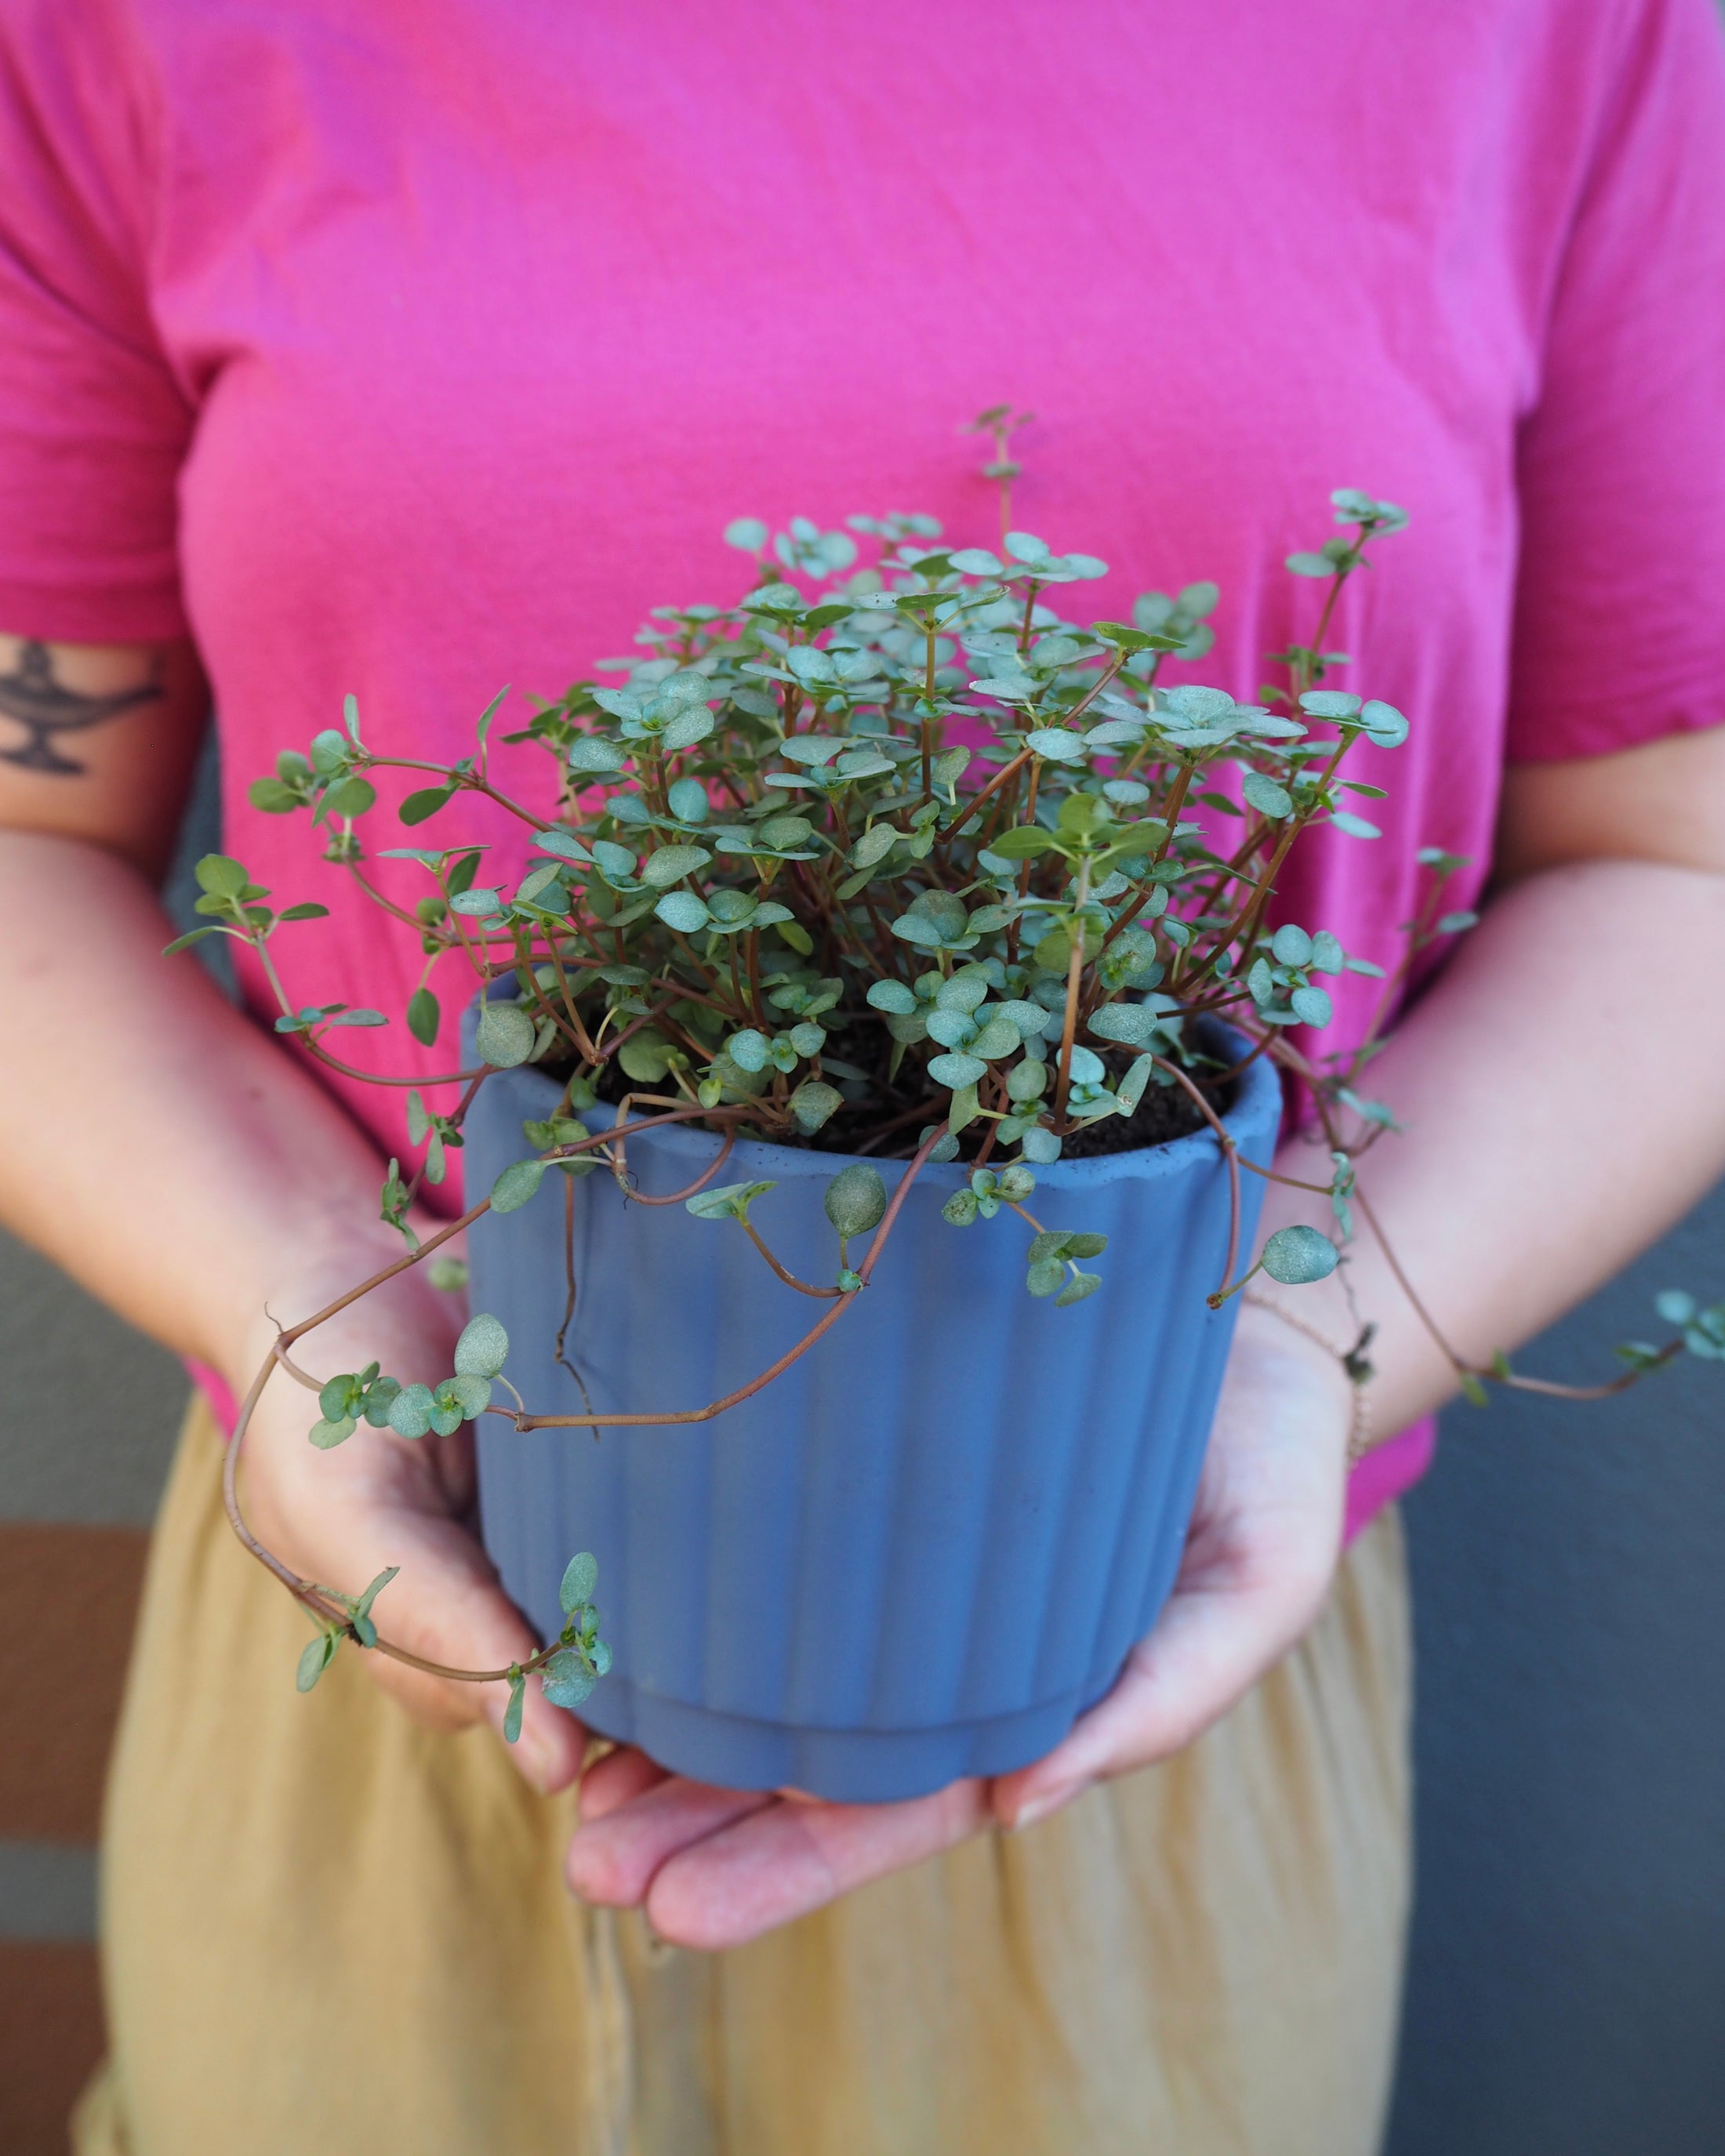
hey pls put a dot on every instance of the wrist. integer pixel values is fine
(1329, 1357)
(308, 1275)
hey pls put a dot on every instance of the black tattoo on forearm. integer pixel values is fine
(45, 707)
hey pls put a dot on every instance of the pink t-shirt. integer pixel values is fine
(416, 348)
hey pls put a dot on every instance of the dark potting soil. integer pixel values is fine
(1165, 1113)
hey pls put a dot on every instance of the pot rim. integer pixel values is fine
(1252, 1121)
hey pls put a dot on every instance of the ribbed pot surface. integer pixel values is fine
(929, 1544)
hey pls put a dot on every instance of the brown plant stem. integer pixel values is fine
(789, 1278)
(1075, 969)
(690, 1190)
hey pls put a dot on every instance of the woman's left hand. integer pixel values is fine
(714, 1867)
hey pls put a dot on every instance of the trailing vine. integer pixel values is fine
(889, 859)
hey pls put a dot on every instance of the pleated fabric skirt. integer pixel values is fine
(328, 1931)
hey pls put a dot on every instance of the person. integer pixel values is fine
(410, 350)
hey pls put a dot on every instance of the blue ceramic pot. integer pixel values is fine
(930, 1545)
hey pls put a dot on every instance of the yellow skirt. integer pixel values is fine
(330, 1932)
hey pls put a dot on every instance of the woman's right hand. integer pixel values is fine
(341, 1516)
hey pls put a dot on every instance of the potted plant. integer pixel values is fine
(855, 1098)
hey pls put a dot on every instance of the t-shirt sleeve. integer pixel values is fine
(1619, 633)
(93, 426)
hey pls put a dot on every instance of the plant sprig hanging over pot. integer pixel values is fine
(888, 857)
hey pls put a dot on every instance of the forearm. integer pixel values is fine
(1561, 1093)
(159, 1146)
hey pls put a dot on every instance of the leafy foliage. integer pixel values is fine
(891, 854)
(885, 843)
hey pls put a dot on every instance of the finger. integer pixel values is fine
(1210, 1648)
(612, 1861)
(617, 1780)
(446, 1606)
(791, 1858)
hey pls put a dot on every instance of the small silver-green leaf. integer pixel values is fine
(516, 1185)
(671, 863)
(813, 1103)
(855, 1198)
(505, 1035)
(410, 1411)
(728, 1201)
(956, 1069)
(483, 1348)
(684, 910)
(1297, 1256)
(565, 1681)
(315, 1659)
(581, 1576)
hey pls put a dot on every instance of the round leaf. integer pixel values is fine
(1384, 724)
(671, 863)
(516, 1185)
(1266, 795)
(410, 1411)
(581, 1577)
(483, 1348)
(687, 728)
(1129, 1024)
(593, 753)
(612, 860)
(565, 1681)
(813, 1103)
(1311, 1006)
(504, 1036)
(1022, 843)
(956, 1070)
(471, 1394)
(645, 1058)
(855, 1199)
(1297, 1256)
(221, 875)
(683, 911)
(423, 1017)
(998, 1037)
(748, 1049)
(1056, 746)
